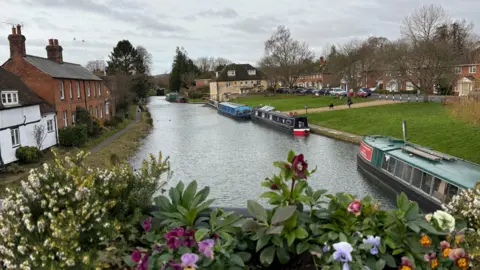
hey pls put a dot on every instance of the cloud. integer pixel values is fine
(255, 25)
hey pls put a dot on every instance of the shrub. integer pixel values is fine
(195, 94)
(467, 109)
(15, 168)
(73, 136)
(67, 216)
(114, 122)
(204, 89)
(83, 117)
(28, 154)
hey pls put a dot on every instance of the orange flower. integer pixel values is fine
(462, 263)
(406, 267)
(446, 252)
(434, 263)
(425, 241)
(459, 238)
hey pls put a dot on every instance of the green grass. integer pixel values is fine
(283, 102)
(196, 100)
(428, 124)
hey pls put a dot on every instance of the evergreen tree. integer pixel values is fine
(123, 59)
(179, 67)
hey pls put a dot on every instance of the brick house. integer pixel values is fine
(468, 79)
(63, 85)
(204, 79)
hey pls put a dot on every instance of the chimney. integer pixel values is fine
(322, 60)
(17, 43)
(54, 51)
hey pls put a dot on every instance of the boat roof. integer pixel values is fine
(454, 170)
(233, 105)
(271, 111)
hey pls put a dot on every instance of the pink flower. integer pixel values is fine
(173, 238)
(429, 257)
(299, 167)
(143, 265)
(147, 224)
(188, 238)
(136, 256)
(407, 262)
(355, 207)
(205, 247)
(457, 253)
(444, 244)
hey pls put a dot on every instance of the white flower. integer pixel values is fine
(445, 220)
(22, 249)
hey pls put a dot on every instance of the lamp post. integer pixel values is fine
(306, 109)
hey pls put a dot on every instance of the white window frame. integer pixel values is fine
(65, 120)
(78, 89)
(62, 91)
(106, 108)
(50, 125)
(15, 135)
(101, 111)
(9, 95)
(458, 70)
(70, 89)
(231, 73)
(88, 89)
(73, 118)
(472, 69)
(252, 72)
(99, 89)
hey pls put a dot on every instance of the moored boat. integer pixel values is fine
(429, 177)
(212, 103)
(298, 125)
(175, 97)
(234, 110)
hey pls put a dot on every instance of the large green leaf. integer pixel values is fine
(302, 247)
(128, 260)
(282, 214)
(205, 205)
(263, 241)
(290, 238)
(200, 234)
(189, 194)
(402, 201)
(245, 256)
(290, 156)
(229, 220)
(257, 211)
(380, 264)
(282, 255)
(236, 260)
(251, 225)
(413, 211)
(174, 196)
(275, 230)
(163, 203)
(291, 222)
(299, 187)
(267, 255)
(200, 197)
(301, 233)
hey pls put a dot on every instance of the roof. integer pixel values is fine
(456, 171)
(61, 70)
(471, 78)
(233, 105)
(11, 82)
(46, 109)
(241, 73)
(206, 75)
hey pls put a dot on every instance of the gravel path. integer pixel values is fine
(343, 107)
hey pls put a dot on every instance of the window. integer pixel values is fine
(96, 111)
(78, 89)
(458, 70)
(259, 82)
(385, 162)
(427, 182)
(62, 91)
(439, 188)
(106, 109)
(417, 178)
(407, 173)
(73, 118)
(472, 69)
(231, 73)
(99, 89)
(101, 111)
(49, 125)
(70, 89)
(227, 84)
(391, 165)
(452, 191)
(90, 109)
(65, 123)
(252, 72)
(88, 89)
(399, 169)
(409, 86)
(15, 137)
(9, 97)
(389, 74)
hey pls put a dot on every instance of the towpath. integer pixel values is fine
(343, 107)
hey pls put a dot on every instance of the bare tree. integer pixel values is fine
(145, 58)
(95, 66)
(188, 78)
(205, 64)
(290, 57)
(270, 70)
(220, 61)
(40, 135)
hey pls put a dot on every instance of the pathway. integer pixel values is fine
(110, 139)
(335, 134)
(343, 107)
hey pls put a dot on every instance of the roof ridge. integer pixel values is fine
(44, 58)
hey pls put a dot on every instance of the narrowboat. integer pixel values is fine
(212, 103)
(428, 177)
(175, 97)
(298, 125)
(234, 110)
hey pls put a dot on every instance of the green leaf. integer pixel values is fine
(189, 194)
(301, 233)
(271, 195)
(414, 227)
(390, 260)
(398, 251)
(251, 225)
(218, 265)
(165, 257)
(290, 156)
(200, 197)
(302, 247)
(402, 201)
(163, 203)
(275, 230)
(151, 236)
(277, 240)
(413, 211)
(299, 187)
(257, 211)
(182, 210)
(366, 246)
(200, 234)
(245, 256)
(263, 241)
(236, 260)
(380, 264)
(390, 243)
(191, 216)
(332, 235)
(291, 222)
(183, 250)
(317, 194)
(282, 214)
(425, 225)
(174, 196)
(282, 255)
(128, 260)
(180, 186)
(290, 238)
(267, 255)
(343, 237)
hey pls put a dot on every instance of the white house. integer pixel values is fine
(21, 113)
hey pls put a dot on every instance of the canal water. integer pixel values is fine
(233, 157)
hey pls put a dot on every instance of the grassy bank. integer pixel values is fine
(283, 102)
(429, 124)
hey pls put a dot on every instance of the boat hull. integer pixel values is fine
(396, 186)
(296, 132)
(238, 117)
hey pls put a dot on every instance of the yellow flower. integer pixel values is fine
(434, 263)
(446, 252)
(462, 263)
(406, 267)
(425, 241)
(86, 259)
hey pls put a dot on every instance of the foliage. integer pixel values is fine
(140, 86)
(114, 122)
(183, 71)
(195, 94)
(28, 154)
(73, 136)
(467, 109)
(143, 63)
(40, 135)
(68, 216)
(122, 59)
(83, 117)
(15, 168)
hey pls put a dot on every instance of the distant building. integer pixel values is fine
(468, 79)
(237, 79)
(204, 79)
(20, 111)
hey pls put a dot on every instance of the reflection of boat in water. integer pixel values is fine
(429, 177)
(298, 125)
(234, 110)
(212, 103)
(176, 98)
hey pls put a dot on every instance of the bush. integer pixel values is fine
(83, 117)
(67, 216)
(204, 89)
(28, 154)
(73, 136)
(195, 94)
(114, 122)
(15, 168)
(467, 109)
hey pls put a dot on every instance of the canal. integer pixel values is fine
(232, 157)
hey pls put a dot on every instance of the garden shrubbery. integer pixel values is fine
(28, 154)
(114, 122)
(195, 94)
(73, 136)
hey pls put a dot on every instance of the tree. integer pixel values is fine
(39, 135)
(95, 66)
(143, 63)
(140, 86)
(205, 64)
(288, 56)
(220, 62)
(123, 59)
(267, 67)
(184, 71)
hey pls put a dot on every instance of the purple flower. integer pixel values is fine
(176, 266)
(373, 240)
(147, 224)
(326, 248)
(343, 254)
(173, 238)
(205, 247)
(299, 167)
(189, 260)
(188, 238)
(136, 256)
(157, 247)
(143, 265)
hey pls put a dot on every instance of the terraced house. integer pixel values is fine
(64, 85)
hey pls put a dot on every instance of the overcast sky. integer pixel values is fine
(236, 30)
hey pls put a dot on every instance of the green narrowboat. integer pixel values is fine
(175, 97)
(428, 177)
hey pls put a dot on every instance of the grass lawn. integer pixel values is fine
(284, 102)
(428, 124)
(196, 100)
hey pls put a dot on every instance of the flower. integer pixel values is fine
(355, 207)
(173, 240)
(274, 186)
(373, 240)
(432, 259)
(175, 266)
(147, 224)
(406, 264)
(143, 265)
(188, 238)
(425, 240)
(215, 235)
(460, 257)
(459, 238)
(136, 256)
(445, 220)
(428, 217)
(343, 254)
(446, 252)
(299, 166)
(189, 260)
(325, 248)
(205, 247)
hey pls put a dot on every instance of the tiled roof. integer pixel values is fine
(241, 73)
(61, 70)
(45, 108)
(10, 82)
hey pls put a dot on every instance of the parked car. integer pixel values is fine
(324, 91)
(338, 92)
(366, 90)
(362, 93)
(299, 90)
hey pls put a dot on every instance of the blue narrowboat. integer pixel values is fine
(234, 110)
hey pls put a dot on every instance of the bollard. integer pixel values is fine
(408, 97)
(416, 98)
(400, 97)
(393, 97)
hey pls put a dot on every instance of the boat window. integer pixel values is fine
(427, 182)
(452, 191)
(417, 178)
(271, 117)
(439, 188)
(407, 173)
(399, 168)
(385, 162)
(391, 165)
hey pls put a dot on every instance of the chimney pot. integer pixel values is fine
(50, 41)
(55, 42)
(14, 31)
(19, 29)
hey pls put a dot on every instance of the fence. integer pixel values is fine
(408, 97)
